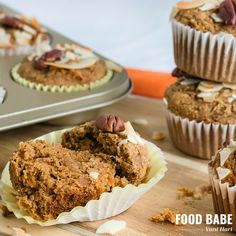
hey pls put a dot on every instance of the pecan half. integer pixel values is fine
(227, 12)
(50, 56)
(177, 73)
(11, 22)
(110, 123)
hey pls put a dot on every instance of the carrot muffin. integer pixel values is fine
(222, 173)
(201, 114)
(204, 38)
(53, 178)
(65, 68)
(20, 35)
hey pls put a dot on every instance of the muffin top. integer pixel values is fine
(202, 100)
(215, 16)
(64, 65)
(20, 31)
(223, 164)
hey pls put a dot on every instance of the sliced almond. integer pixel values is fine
(113, 66)
(85, 63)
(224, 155)
(189, 81)
(29, 29)
(192, 4)
(223, 172)
(207, 96)
(230, 86)
(70, 55)
(216, 18)
(111, 227)
(209, 86)
(209, 6)
(132, 136)
(93, 174)
(22, 38)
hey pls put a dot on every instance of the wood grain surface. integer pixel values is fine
(183, 171)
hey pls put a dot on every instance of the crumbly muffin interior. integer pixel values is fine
(131, 159)
(51, 179)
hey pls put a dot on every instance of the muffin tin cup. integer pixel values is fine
(224, 197)
(198, 139)
(21, 50)
(204, 54)
(109, 204)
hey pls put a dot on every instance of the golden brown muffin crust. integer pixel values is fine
(202, 21)
(183, 101)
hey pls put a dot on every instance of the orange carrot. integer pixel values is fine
(150, 83)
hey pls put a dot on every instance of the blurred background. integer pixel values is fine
(135, 33)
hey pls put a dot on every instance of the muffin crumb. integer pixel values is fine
(158, 136)
(166, 215)
(197, 194)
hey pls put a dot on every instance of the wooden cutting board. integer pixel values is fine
(183, 171)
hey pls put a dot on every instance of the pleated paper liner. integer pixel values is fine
(224, 197)
(203, 54)
(22, 50)
(109, 204)
(198, 139)
(60, 89)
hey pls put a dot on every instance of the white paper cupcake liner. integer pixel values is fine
(109, 203)
(58, 89)
(198, 139)
(204, 54)
(224, 197)
(21, 50)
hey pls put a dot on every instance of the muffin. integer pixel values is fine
(92, 158)
(20, 35)
(65, 68)
(201, 115)
(222, 173)
(204, 39)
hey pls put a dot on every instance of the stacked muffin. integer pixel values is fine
(201, 113)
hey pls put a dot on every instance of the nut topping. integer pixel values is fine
(50, 56)
(11, 22)
(110, 123)
(227, 12)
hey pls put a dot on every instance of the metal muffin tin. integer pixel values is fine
(25, 106)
